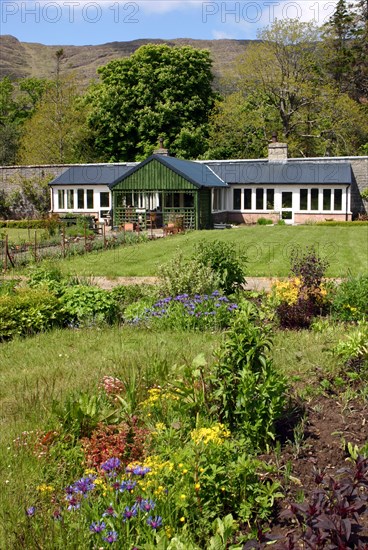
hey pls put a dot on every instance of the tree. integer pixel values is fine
(9, 131)
(283, 68)
(338, 46)
(360, 49)
(240, 127)
(157, 91)
(282, 86)
(52, 135)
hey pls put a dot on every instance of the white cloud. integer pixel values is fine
(221, 35)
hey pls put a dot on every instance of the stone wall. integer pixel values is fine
(9, 175)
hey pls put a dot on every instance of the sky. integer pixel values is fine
(83, 22)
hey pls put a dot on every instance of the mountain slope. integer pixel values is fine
(25, 59)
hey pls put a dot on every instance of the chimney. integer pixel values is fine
(277, 152)
(161, 150)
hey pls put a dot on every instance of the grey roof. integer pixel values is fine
(289, 172)
(91, 174)
(197, 173)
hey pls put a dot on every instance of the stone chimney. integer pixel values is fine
(277, 152)
(161, 150)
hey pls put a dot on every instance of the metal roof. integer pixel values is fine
(283, 172)
(197, 173)
(92, 174)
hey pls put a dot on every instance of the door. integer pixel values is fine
(287, 213)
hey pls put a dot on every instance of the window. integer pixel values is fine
(304, 199)
(70, 199)
(61, 201)
(270, 199)
(90, 199)
(337, 199)
(80, 199)
(259, 199)
(287, 200)
(247, 199)
(327, 199)
(314, 199)
(188, 200)
(236, 199)
(104, 200)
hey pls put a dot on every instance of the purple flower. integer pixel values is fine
(146, 505)
(74, 504)
(84, 485)
(110, 512)
(130, 512)
(111, 536)
(31, 511)
(56, 515)
(111, 464)
(155, 522)
(97, 527)
(140, 470)
(127, 486)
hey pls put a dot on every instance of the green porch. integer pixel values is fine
(163, 191)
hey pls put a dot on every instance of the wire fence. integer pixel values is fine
(14, 255)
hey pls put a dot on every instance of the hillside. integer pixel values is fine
(25, 59)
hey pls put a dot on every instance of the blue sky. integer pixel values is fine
(81, 22)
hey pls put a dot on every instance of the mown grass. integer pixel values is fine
(20, 235)
(267, 248)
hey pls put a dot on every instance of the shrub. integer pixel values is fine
(264, 221)
(249, 394)
(224, 261)
(181, 276)
(84, 304)
(303, 296)
(29, 311)
(350, 299)
(354, 350)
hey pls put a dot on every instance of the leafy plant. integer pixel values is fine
(181, 276)
(83, 304)
(224, 260)
(332, 516)
(28, 311)
(249, 394)
(264, 221)
(350, 299)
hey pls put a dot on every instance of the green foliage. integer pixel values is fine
(80, 414)
(226, 263)
(87, 304)
(157, 91)
(181, 276)
(355, 347)
(24, 224)
(27, 312)
(350, 299)
(249, 394)
(364, 195)
(264, 221)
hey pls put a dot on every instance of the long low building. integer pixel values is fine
(163, 189)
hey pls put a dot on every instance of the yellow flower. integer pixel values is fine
(43, 488)
(169, 532)
(185, 471)
(216, 434)
(197, 486)
(182, 519)
(183, 497)
(180, 465)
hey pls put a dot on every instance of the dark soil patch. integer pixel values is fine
(329, 425)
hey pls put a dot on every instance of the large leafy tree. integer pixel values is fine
(282, 86)
(54, 133)
(159, 91)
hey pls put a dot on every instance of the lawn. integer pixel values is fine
(267, 248)
(20, 236)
